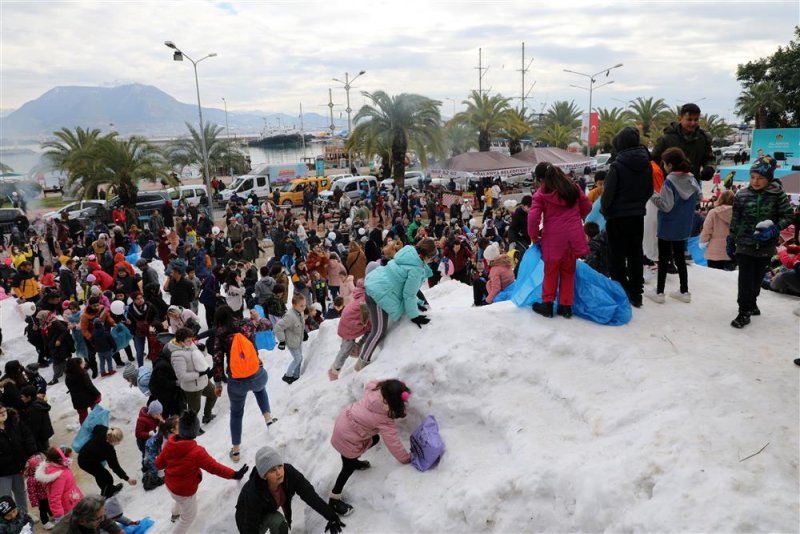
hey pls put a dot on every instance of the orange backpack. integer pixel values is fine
(243, 359)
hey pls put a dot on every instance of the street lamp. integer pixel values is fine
(347, 81)
(592, 81)
(178, 55)
(454, 104)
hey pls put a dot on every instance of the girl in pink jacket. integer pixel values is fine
(63, 492)
(347, 288)
(357, 429)
(353, 324)
(336, 274)
(563, 206)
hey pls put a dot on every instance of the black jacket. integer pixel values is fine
(58, 331)
(181, 292)
(697, 147)
(629, 182)
(598, 253)
(255, 500)
(99, 450)
(66, 283)
(164, 384)
(518, 229)
(16, 445)
(81, 390)
(36, 416)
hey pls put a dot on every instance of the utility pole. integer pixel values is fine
(481, 71)
(525, 68)
(330, 105)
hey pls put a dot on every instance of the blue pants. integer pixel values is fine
(106, 362)
(237, 393)
(138, 343)
(297, 361)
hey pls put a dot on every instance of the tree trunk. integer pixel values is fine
(483, 141)
(761, 118)
(127, 192)
(514, 146)
(399, 147)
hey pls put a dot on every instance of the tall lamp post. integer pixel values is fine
(592, 81)
(454, 104)
(177, 55)
(347, 81)
(227, 131)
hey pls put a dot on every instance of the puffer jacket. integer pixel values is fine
(356, 424)
(24, 285)
(715, 232)
(182, 461)
(335, 270)
(145, 424)
(189, 365)
(676, 203)
(501, 275)
(290, 329)
(629, 182)
(563, 224)
(751, 207)
(394, 286)
(63, 492)
(350, 324)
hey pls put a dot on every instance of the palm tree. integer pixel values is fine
(759, 101)
(611, 121)
(648, 114)
(399, 122)
(715, 126)
(459, 139)
(222, 153)
(485, 114)
(70, 150)
(565, 113)
(558, 135)
(517, 126)
(120, 164)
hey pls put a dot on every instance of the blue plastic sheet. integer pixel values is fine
(144, 525)
(121, 335)
(98, 416)
(693, 246)
(265, 339)
(597, 298)
(133, 254)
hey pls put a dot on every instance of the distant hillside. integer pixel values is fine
(131, 109)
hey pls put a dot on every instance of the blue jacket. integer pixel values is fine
(676, 204)
(394, 287)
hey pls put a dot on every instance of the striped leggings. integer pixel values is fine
(379, 320)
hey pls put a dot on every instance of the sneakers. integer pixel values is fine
(340, 507)
(333, 374)
(174, 517)
(565, 311)
(53, 382)
(235, 455)
(545, 309)
(362, 465)
(658, 298)
(755, 311)
(683, 297)
(208, 418)
(742, 320)
(49, 525)
(289, 379)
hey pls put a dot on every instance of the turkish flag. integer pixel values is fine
(594, 122)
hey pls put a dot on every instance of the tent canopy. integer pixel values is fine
(566, 161)
(482, 164)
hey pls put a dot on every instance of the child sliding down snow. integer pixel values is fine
(353, 324)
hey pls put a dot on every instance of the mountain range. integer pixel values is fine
(133, 109)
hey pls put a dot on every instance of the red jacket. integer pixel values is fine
(315, 262)
(145, 424)
(182, 460)
(563, 225)
(104, 280)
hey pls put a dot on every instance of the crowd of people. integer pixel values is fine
(95, 301)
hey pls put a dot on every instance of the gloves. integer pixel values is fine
(422, 307)
(239, 475)
(282, 345)
(703, 245)
(209, 372)
(305, 336)
(766, 230)
(730, 246)
(334, 526)
(420, 320)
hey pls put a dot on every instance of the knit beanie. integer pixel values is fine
(188, 425)
(266, 459)
(131, 374)
(7, 505)
(765, 166)
(154, 408)
(492, 252)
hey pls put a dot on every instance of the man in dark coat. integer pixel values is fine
(36, 415)
(16, 446)
(164, 385)
(628, 187)
(693, 140)
(181, 290)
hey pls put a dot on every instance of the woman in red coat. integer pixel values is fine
(563, 205)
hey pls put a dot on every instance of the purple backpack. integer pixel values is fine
(427, 446)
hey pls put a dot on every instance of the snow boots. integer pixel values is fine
(742, 320)
(565, 311)
(545, 309)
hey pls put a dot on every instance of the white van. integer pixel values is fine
(353, 187)
(190, 193)
(245, 185)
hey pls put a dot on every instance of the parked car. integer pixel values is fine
(292, 192)
(10, 217)
(602, 162)
(146, 203)
(81, 210)
(192, 194)
(413, 179)
(353, 187)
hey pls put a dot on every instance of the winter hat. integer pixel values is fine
(65, 305)
(32, 368)
(95, 291)
(131, 374)
(155, 408)
(42, 315)
(266, 459)
(188, 425)
(492, 252)
(317, 306)
(174, 309)
(765, 166)
(141, 262)
(113, 507)
(7, 504)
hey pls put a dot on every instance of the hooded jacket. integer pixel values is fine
(255, 500)
(63, 492)
(190, 365)
(145, 424)
(356, 424)
(751, 207)
(290, 329)
(501, 275)
(350, 324)
(182, 461)
(263, 290)
(676, 203)
(563, 224)
(16, 445)
(81, 390)
(697, 146)
(629, 182)
(394, 286)
(37, 416)
(716, 229)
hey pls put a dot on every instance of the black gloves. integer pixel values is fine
(282, 345)
(305, 336)
(209, 372)
(420, 320)
(334, 526)
(422, 308)
(239, 475)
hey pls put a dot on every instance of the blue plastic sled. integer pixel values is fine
(597, 298)
(698, 256)
(265, 339)
(98, 416)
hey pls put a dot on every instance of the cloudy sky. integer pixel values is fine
(272, 55)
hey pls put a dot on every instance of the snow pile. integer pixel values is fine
(550, 425)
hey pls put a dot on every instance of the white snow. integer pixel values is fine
(550, 425)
